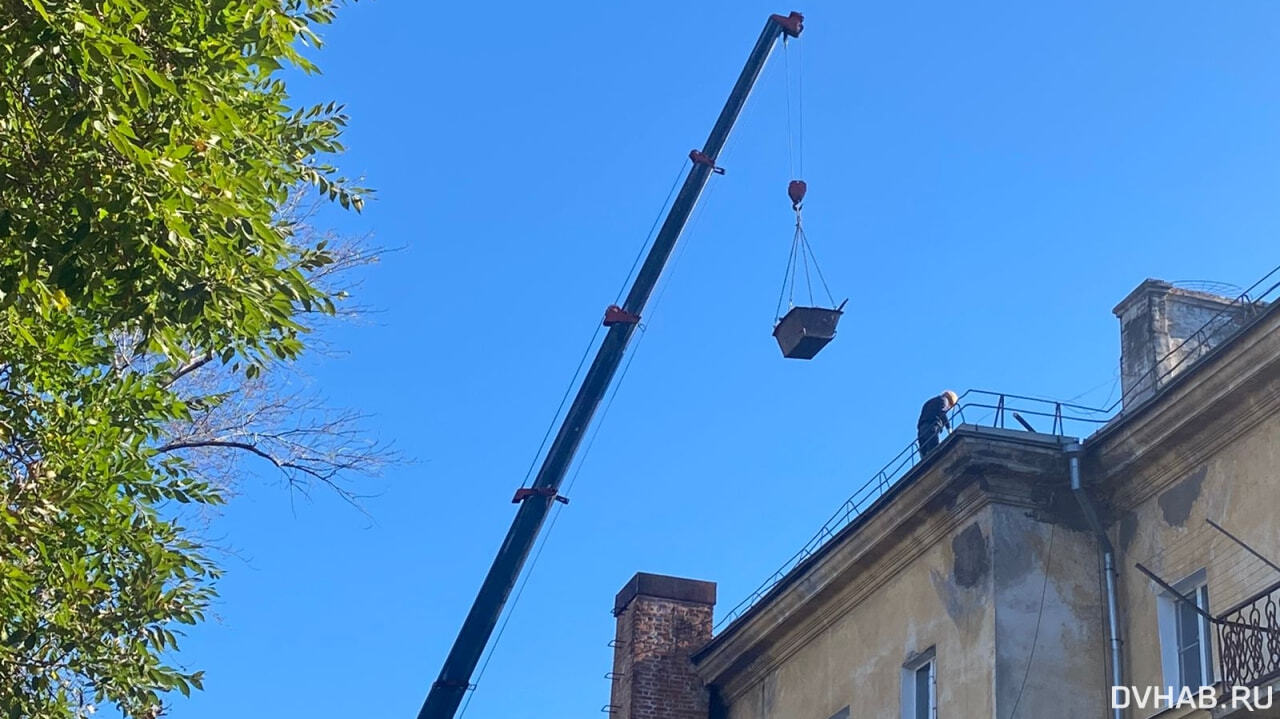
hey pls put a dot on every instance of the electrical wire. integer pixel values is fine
(1035, 637)
(1115, 380)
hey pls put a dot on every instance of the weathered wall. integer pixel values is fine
(942, 599)
(1166, 531)
(976, 596)
(981, 558)
(1050, 623)
(1207, 448)
(1156, 322)
(954, 562)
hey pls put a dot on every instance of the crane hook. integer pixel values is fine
(796, 192)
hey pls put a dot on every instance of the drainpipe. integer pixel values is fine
(1108, 564)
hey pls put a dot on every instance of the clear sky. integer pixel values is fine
(986, 181)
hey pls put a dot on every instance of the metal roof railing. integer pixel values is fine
(975, 407)
(983, 407)
(1230, 320)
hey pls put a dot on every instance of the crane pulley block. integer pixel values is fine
(701, 158)
(792, 25)
(526, 492)
(615, 315)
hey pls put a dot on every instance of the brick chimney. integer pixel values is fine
(1155, 321)
(661, 621)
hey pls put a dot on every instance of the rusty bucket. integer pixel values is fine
(803, 331)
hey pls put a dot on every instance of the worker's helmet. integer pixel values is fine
(951, 397)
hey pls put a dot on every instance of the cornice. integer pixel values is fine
(979, 467)
(1223, 397)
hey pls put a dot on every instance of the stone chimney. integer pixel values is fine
(1164, 329)
(661, 621)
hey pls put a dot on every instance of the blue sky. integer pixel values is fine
(986, 181)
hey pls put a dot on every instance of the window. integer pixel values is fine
(1193, 636)
(1186, 654)
(919, 687)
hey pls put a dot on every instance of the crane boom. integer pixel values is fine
(535, 502)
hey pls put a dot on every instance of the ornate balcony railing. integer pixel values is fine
(1249, 640)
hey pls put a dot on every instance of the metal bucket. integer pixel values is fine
(805, 330)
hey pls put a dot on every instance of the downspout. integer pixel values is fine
(1108, 565)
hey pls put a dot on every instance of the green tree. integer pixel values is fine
(147, 155)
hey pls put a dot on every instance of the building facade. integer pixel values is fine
(1014, 573)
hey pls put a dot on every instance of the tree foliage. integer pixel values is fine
(147, 150)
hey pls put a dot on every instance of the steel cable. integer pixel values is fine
(595, 432)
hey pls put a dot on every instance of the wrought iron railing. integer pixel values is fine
(975, 407)
(1249, 640)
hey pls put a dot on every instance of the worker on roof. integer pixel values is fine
(933, 419)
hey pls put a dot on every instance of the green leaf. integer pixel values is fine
(151, 230)
(39, 6)
(160, 80)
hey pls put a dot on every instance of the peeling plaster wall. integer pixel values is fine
(975, 596)
(942, 599)
(1166, 532)
(1013, 604)
(1155, 320)
(1047, 575)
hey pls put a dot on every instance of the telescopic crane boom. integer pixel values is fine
(535, 501)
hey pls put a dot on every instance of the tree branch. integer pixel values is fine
(188, 368)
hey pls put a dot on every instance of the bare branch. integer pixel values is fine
(189, 367)
(221, 443)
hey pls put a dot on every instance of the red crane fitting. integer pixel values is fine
(792, 24)
(615, 315)
(796, 192)
(700, 158)
(549, 492)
